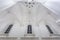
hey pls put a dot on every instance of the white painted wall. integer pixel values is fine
(21, 16)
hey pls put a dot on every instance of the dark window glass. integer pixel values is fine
(29, 30)
(49, 29)
(8, 29)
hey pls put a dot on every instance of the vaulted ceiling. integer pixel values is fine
(53, 5)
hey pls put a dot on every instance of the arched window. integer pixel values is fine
(29, 29)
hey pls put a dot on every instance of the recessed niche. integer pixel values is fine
(29, 7)
(32, 5)
(29, 3)
(25, 2)
(26, 5)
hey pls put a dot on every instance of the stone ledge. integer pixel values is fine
(29, 38)
(29, 35)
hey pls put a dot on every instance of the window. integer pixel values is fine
(29, 30)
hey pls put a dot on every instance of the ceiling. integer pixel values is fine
(53, 5)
